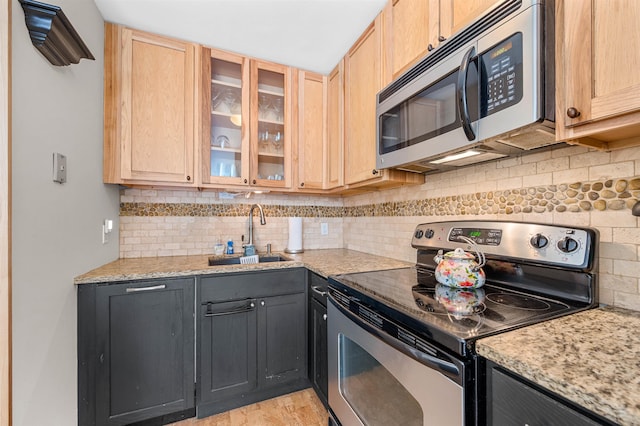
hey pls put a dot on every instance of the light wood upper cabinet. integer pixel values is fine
(363, 80)
(312, 126)
(246, 122)
(149, 108)
(410, 27)
(225, 112)
(457, 14)
(413, 28)
(362, 83)
(597, 86)
(334, 160)
(270, 125)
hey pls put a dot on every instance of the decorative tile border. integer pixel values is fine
(603, 195)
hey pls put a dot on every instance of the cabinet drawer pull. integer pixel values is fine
(246, 308)
(153, 287)
(316, 289)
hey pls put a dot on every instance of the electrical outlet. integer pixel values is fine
(324, 228)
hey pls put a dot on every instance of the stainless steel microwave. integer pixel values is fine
(486, 93)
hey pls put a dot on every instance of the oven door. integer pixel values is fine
(375, 379)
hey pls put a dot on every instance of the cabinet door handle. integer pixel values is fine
(374, 172)
(188, 178)
(441, 38)
(430, 47)
(316, 289)
(154, 287)
(245, 181)
(262, 303)
(324, 317)
(246, 308)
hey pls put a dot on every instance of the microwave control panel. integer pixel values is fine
(502, 75)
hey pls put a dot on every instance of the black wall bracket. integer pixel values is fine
(53, 35)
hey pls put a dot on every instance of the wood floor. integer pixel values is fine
(301, 408)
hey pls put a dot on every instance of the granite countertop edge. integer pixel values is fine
(591, 358)
(323, 262)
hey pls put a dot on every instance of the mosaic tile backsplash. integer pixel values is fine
(574, 197)
(573, 186)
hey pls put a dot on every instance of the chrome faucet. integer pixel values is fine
(262, 221)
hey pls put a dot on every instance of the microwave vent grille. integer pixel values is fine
(469, 33)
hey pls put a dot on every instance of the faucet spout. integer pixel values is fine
(262, 220)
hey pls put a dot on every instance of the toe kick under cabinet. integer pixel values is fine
(251, 342)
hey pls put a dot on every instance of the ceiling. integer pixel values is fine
(308, 34)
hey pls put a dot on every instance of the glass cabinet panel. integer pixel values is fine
(271, 141)
(227, 147)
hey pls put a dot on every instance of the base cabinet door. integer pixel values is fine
(228, 349)
(318, 350)
(252, 341)
(512, 400)
(282, 338)
(139, 362)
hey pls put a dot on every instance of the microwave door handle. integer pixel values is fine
(463, 105)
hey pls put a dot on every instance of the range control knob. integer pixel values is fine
(418, 233)
(567, 245)
(429, 233)
(539, 241)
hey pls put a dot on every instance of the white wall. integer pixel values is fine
(56, 228)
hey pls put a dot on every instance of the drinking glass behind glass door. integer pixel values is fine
(226, 119)
(271, 119)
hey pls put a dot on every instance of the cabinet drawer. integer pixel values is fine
(217, 288)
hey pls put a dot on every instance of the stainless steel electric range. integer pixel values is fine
(402, 345)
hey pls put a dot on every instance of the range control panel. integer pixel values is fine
(541, 243)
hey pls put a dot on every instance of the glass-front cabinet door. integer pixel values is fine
(270, 124)
(226, 155)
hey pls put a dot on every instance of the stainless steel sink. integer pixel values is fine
(216, 261)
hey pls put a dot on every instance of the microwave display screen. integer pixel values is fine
(502, 49)
(501, 75)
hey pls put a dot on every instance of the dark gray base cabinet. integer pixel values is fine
(135, 350)
(513, 400)
(318, 345)
(251, 339)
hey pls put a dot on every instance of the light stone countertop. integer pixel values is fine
(591, 358)
(324, 262)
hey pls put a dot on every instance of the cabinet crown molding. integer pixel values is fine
(53, 35)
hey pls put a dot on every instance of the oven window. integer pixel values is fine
(372, 391)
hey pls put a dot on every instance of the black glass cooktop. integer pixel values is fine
(453, 318)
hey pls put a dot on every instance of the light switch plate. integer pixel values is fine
(59, 167)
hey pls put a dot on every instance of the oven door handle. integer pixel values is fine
(449, 369)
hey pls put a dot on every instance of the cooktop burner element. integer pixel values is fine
(519, 301)
(526, 282)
